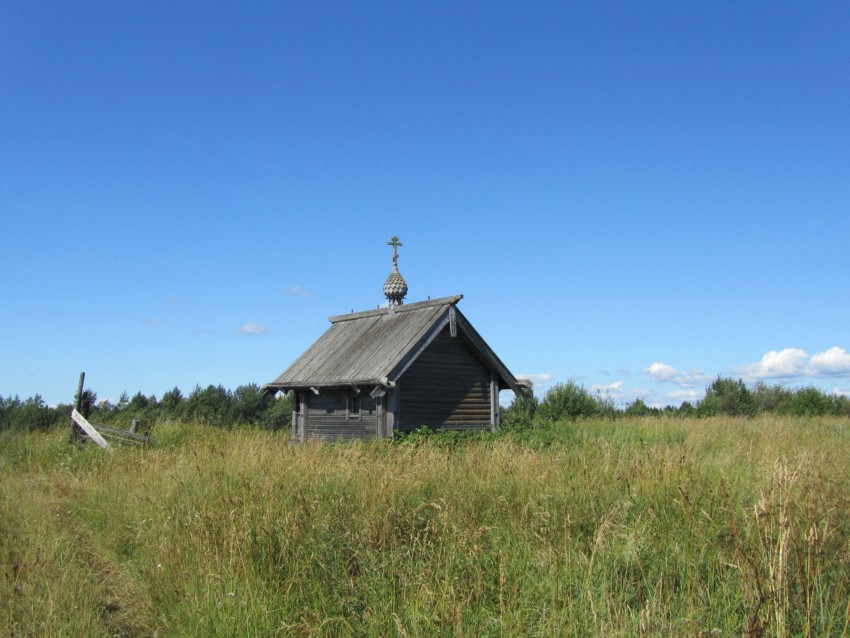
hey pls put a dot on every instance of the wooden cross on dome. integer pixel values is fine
(395, 243)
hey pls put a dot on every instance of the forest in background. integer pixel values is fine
(247, 405)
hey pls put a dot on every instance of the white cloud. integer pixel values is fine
(298, 291)
(834, 362)
(841, 392)
(251, 329)
(613, 391)
(782, 364)
(663, 372)
(685, 395)
(617, 386)
(618, 393)
(153, 322)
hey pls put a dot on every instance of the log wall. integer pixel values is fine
(447, 387)
(328, 416)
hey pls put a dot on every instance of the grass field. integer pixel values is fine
(711, 527)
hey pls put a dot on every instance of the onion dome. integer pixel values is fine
(395, 287)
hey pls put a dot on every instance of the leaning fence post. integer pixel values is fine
(78, 404)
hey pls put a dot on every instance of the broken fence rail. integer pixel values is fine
(98, 432)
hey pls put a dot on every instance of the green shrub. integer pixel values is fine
(728, 397)
(639, 408)
(568, 401)
(31, 414)
(520, 413)
(772, 398)
(810, 401)
(278, 413)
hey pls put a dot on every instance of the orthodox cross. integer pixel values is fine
(395, 243)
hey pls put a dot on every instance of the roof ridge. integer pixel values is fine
(364, 314)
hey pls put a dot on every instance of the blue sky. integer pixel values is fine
(638, 196)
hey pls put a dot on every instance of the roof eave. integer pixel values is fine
(336, 383)
(507, 381)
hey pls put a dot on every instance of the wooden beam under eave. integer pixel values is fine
(494, 402)
(305, 416)
(392, 409)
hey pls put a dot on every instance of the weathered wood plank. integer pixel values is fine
(89, 429)
(124, 436)
(78, 405)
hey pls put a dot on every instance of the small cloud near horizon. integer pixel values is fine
(298, 291)
(834, 362)
(691, 396)
(776, 364)
(661, 372)
(792, 363)
(613, 390)
(618, 393)
(251, 329)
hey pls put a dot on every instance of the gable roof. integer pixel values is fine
(375, 347)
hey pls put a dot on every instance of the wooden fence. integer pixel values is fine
(82, 429)
(99, 433)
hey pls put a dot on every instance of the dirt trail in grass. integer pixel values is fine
(123, 603)
(54, 566)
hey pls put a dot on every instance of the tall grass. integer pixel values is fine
(644, 527)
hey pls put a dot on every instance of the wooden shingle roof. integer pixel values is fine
(375, 347)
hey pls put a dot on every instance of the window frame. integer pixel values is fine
(353, 407)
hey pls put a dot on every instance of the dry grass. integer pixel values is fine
(646, 527)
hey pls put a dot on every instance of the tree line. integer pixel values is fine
(723, 397)
(247, 405)
(213, 405)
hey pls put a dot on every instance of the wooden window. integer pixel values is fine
(353, 407)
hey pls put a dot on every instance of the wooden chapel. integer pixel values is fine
(396, 368)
